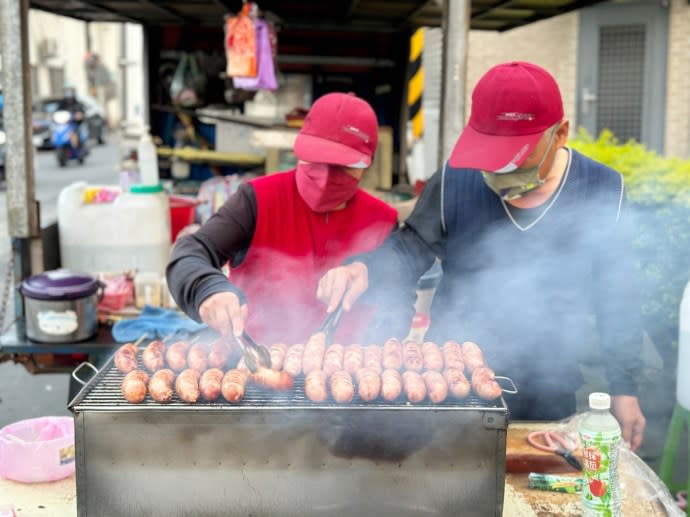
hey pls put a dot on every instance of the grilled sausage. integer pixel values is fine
(452, 355)
(368, 384)
(272, 379)
(333, 359)
(414, 386)
(176, 355)
(373, 358)
(293, 360)
(391, 385)
(153, 356)
(219, 354)
(436, 386)
(210, 383)
(161, 385)
(472, 355)
(197, 357)
(278, 352)
(392, 355)
(353, 359)
(315, 386)
(433, 357)
(126, 358)
(314, 351)
(134, 386)
(484, 383)
(413, 360)
(233, 383)
(342, 389)
(458, 385)
(187, 385)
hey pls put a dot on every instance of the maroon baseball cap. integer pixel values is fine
(340, 129)
(512, 105)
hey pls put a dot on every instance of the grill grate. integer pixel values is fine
(103, 392)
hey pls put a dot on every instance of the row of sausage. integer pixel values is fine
(305, 358)
(190, 385)
(339, 371)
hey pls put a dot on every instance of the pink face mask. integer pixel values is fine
(324, 187)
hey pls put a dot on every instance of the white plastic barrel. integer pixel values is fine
(683, 380)
(133, 232)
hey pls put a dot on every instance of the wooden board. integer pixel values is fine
(521, 457)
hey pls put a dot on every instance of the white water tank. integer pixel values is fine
(683, 379)
(132, 232)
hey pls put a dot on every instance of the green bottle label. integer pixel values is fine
(600, 489)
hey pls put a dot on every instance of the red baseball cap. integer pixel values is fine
(340, 129)
(512, 105)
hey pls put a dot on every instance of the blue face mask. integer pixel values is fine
(515, 184)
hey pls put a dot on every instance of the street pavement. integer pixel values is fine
(23, 395)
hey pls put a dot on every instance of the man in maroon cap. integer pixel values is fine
(535, 248)
(280, 233)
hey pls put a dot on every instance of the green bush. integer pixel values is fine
(658, 191)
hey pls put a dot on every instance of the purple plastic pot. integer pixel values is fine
(61, 306)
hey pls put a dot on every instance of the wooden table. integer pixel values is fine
(640, 496)
(59, 499)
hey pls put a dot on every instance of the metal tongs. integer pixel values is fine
(254, 354)
(330, 323)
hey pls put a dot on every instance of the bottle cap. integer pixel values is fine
(599, 401)
(146, 189)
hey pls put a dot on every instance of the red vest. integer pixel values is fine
(292, 248)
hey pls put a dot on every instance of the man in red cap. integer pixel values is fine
(281, 232)
(535, 248)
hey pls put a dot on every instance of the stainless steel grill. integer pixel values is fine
(278, 454)
(104, 394)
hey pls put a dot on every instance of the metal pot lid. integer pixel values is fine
(59, 284)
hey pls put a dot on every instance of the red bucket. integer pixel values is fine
(181, 213)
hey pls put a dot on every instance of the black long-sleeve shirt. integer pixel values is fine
(194, 272)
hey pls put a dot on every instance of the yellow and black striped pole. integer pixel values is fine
(415, 84)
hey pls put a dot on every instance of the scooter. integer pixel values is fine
(69, 137)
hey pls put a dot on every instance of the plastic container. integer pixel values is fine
(117, 293)
(683, 377)
(148, 160)
(600, 436)
(133, 232)
(166, 297)
(182, 211)
(147, 289)
(37, 450)
(61, 306)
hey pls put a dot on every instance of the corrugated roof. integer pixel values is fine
(359, 15)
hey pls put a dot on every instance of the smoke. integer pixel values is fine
(538, 301)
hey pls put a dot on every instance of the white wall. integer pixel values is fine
(69, 36)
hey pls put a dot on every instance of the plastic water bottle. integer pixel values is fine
(148, 160)
(600, 436)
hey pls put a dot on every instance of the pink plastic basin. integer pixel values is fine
(38, 449)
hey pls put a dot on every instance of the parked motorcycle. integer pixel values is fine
(69, 137)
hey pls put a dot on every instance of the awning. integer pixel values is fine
(356, 15)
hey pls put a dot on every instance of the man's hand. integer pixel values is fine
(346, 283)
(223, 312)
(626, 409)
